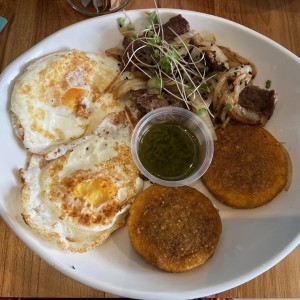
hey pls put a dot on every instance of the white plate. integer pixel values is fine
(252, 240)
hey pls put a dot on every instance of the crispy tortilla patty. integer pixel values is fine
(249, 167)
(175, 229)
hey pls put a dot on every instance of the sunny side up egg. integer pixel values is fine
(81, 197)
(61, 97)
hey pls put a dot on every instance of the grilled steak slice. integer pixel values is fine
(175, 26)
(147, 102)
(258, 100)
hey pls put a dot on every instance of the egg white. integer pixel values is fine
(78, 222)
(61, 97)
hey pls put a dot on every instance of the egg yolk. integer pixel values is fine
(73, 97)
(96, 191)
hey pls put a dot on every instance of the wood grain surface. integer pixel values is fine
(24, 274)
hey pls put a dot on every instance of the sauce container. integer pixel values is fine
(172, 146)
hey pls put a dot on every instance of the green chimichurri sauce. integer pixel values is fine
(169, 151)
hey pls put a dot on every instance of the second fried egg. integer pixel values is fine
(79, 198)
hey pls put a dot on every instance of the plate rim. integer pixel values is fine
(120, 291)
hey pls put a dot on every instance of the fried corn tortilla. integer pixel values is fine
(175, 229)
(249, 167)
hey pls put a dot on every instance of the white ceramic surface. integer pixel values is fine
(252, 240)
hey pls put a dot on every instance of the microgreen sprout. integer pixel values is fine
(175, 55)
(125, 25)
(134, 37)
(155, 39)
(165, 64)
(149, 27)
(170, 68)
(268, 84)
(205, 87)
(227, 107)
(155, 83)
(121, 21)
(130, 26)
(153, 17)
(201, 111)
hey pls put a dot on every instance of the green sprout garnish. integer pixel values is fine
(150, 33)
(227, 107)
(154, 83)
(149, 27)
(268, 84)
(201, 111)
(130, 26)
(153, 17)
(165, 64)
(175, 55)
(171, 68)
(155, 39)
(121, 21)
(156, 53)
(205, 87)
(134, 37)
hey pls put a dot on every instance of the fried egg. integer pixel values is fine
(61, 97)
(81, 197)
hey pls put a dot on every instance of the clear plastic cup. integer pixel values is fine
(187, 119)
(96, 8)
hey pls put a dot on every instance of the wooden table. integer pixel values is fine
(24, 274)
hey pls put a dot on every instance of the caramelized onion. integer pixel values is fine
(236, 60)
(247, 116)
(124, 86)
(115, 53)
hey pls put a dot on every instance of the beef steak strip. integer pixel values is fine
(177, 25)
(147, 102)
(259, 100)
